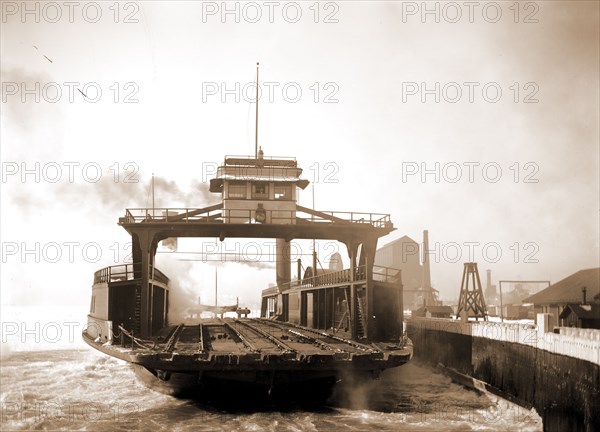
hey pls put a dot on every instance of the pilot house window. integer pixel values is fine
(237, 190)
(260, 190)
(283, 191)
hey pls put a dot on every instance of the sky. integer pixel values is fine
(478, 123)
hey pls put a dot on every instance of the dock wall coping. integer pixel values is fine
(583, 344)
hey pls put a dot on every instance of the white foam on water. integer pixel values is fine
(59, 383)
(71, 389)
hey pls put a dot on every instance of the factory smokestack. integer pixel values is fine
(426, 277)
(488, 285)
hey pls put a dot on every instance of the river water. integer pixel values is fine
(51, 380)
(85, 390)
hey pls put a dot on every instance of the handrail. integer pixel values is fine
(216, 214)
(386, 274)
(380, 274)
(124, 272)
(330, 278)
(288, 158)
(380, 220)
(138, 341)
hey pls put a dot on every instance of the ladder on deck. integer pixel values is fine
(359, 306)
(137, 316)
(360, 314)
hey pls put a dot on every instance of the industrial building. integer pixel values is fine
(405, 254)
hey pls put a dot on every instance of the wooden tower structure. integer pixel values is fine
(470, 301)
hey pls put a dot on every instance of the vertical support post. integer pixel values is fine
(145, 287)
(144, 249)
(283, 264)
(352, 251)
(370, 248)
(401, 303)
(333, 303)
(166, 307)
(136, 254)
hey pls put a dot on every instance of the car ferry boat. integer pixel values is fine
(325, 326)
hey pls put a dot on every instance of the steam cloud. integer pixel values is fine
(182, 294)
(114, 196)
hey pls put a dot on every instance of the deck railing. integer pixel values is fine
(264, 158)
(220, 215)
(378, 220)
(124, 272)
(386, 274)
(164, 214)
(380, 274)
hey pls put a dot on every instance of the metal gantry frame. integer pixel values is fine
(359, 236)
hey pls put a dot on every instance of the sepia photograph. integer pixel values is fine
(300, 215)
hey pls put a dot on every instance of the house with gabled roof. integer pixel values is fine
(581, 316)
(579, 289)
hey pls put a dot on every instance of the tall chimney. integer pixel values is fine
(488, 285)
(583, 292)
(426, 276)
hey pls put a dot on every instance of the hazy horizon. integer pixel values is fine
(485, 133)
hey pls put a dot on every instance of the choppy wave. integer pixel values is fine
(85, 390)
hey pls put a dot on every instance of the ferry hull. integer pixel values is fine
(308, 360)
(245, 388)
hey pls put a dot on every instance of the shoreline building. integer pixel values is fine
(572, 301)
(413, 261)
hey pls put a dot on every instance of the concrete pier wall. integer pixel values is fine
(564, 389)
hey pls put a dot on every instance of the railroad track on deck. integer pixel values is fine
(267, 338)
(322, 336)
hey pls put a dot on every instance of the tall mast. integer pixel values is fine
(153, 257)
(314, 243)
(256, 125)
(152, 194)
